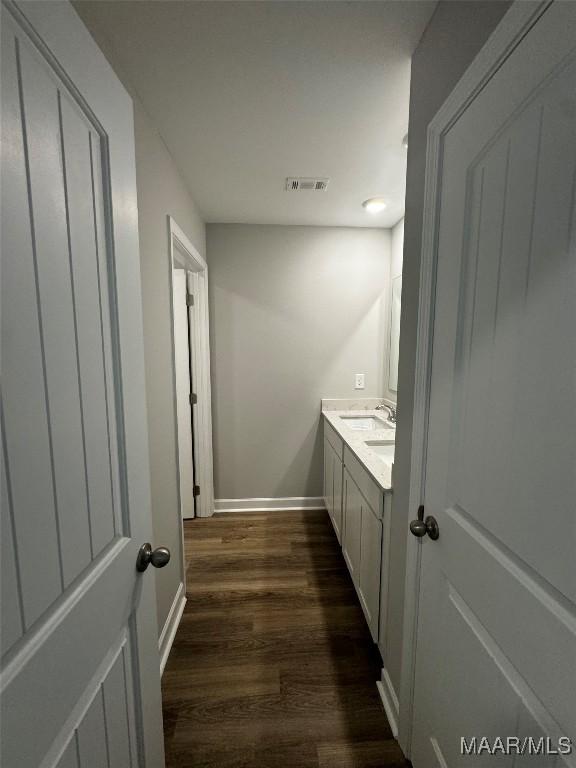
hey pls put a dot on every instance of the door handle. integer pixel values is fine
(159, 557)
(421, 526)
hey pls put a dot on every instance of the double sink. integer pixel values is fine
(384, 449)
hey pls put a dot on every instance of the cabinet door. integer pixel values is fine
(370, 564)
(328, 477)
(384, 579)
(352, 526)
(337, 497)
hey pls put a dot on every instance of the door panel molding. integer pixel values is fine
(512, 675)
(108, 684)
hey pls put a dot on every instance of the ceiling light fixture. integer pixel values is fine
(375, 204)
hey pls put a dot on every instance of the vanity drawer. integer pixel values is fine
(334, 439)
(371, 491)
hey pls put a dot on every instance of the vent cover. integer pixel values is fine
(305, 184)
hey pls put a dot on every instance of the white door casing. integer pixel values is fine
(496, 638)
(80, 666)
(183, 391)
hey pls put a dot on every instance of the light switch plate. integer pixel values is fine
(359, 381)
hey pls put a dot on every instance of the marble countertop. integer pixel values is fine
(379, 469)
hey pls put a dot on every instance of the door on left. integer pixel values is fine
(80, 680)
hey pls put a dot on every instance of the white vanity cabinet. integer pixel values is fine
(360, 513)
(363, 507)
(370, 568)
(333, 469)
(352, 526)
(385, 575)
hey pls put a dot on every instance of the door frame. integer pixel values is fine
(516, 23)
(183, 255)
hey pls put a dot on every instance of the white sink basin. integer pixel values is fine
(384, 449)
(364, 423)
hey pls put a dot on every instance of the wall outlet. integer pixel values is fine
(359, 381)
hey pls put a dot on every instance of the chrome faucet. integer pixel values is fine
(391, 411)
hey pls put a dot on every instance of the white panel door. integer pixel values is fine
(496, 646)
(183, 391)
(79, 667)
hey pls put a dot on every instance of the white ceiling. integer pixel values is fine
(245, 94)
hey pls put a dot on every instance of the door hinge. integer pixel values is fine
(189, 299)
(196, 490)
(193, 398)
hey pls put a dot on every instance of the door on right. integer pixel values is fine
(496, 640)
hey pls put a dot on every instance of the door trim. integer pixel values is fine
(170, 628)
(275, 504)
(183, 254)
(517, 22)
(389, 701)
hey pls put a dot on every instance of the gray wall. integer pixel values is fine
(161, 191)
(452, 39)
(295, 313)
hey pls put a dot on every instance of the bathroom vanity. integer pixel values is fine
(358, 464)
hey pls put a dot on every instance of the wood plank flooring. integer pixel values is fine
(273, 665)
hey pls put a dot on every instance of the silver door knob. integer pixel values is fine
(421, 526)
(159, 557)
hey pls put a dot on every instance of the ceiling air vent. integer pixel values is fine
(305, 184)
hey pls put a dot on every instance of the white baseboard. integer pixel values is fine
(171, 626)
(269, 505)
(390, 701)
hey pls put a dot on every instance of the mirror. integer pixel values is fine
(394, 333)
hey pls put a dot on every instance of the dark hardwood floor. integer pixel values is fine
(273, 665)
